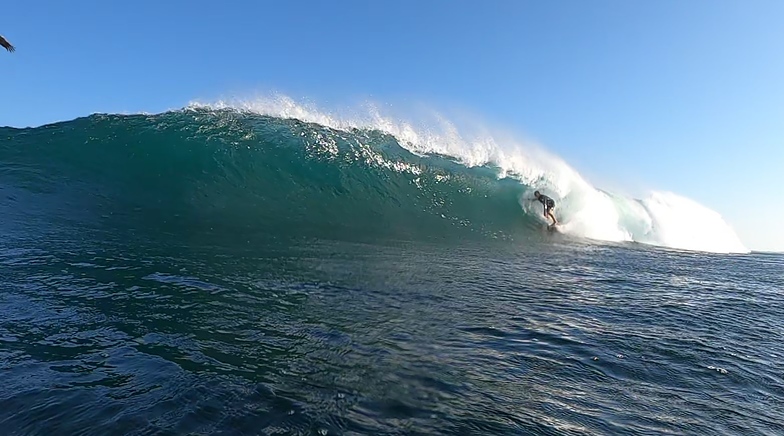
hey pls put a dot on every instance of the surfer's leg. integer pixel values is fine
(550, 207)
(548, 213)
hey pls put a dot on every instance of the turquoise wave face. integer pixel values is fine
(192, 172)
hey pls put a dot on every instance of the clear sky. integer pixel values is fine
(686, 96)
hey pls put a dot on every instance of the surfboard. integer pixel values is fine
(553, 228)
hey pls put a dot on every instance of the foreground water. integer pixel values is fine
(105, 335)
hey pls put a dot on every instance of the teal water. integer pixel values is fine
(208, 272)
(221, 171)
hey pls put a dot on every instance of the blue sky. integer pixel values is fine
(686, 96)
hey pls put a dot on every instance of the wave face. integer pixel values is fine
(279, 168)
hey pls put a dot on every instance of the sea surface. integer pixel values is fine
(217, 272)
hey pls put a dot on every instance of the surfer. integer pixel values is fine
(548, 204)
(4, 42)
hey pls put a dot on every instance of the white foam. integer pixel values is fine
(664, 219)
(679, 222)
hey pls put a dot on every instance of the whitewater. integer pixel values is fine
(663, 219)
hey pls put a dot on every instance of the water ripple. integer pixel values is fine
(331, 338)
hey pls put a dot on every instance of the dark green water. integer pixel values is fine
(167, 275)
(228, 173)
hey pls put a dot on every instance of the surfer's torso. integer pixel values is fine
(545, 200)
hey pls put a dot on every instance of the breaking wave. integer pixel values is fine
(279, 167)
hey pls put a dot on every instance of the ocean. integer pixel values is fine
(275, 270)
